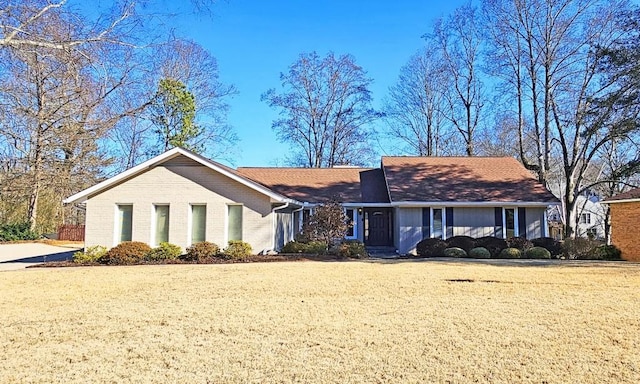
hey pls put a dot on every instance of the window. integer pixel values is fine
(510, 223)
(198, 223)
(161, 223)
(432, 223)
(351, 220)
(234, 223)
(306, 214)
(437, 223)
(124, 223)
(585, 218)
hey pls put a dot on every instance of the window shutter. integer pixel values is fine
(522, 222)
(498, 221)
(449, 222)
(426, 223)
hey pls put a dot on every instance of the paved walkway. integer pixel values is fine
(22, 255)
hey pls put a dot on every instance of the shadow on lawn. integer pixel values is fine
(511, 262)
(60, 256)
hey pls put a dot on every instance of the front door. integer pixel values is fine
(378, 227)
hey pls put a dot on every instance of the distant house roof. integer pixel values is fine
(631, 195)
(462, 179)
(316, 185)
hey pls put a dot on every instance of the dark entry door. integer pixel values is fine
(378, 227)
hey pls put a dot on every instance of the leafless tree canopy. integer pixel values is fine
(325, 110)
(73, 96)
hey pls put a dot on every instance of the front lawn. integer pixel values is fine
(401, 321)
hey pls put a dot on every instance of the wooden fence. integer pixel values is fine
(71, 232)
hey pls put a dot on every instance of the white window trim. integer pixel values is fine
(190, 222)
(117, 226)
(355, 222)
(153, 241)
(444, 222)
(226, 222)
(516, 226)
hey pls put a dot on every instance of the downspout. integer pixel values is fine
(275, 223)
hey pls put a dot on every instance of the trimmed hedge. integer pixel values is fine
(165, 251)
(431, 247)
(510, 253)
(480, 253)
(237, 249)
(493, 244)
(90, 255)
(201, 251)
(352, 249)
(464, 242)
(128, 252)
(550, 244)
(455, 252)
(537, 253)
(520, 243)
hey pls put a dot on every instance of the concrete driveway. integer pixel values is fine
(22, 255)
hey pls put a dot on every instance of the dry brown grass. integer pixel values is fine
(322, 322)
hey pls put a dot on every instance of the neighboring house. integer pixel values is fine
(591, 218)
(183, 198)
(625, 218)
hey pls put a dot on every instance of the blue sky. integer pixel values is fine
(256, 40)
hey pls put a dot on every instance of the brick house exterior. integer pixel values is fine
(625, 219)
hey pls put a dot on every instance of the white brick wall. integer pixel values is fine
(179, 186)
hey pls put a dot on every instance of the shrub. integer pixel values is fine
(493, 244)
(17, 231)
(237, 249)
(90, 254)
(510, 253)
(455, 252)
(294, 247)
(578, 248)
(480, 253)
(537, 253)
(464, 242)
(200, 251)
(128, 252)
(520, 243)
(431, 247)
(606, 252)
(165, 251)
(316, 247)
(550, 244)
(352, 249)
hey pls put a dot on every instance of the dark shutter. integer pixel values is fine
(449, 214)
(522, 222)
(426, 223)
(499, 223)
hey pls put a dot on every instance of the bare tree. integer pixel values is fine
(415, 108)
(326, 110)
(550, 63)
(459, 39)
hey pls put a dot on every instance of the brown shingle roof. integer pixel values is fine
(315, 185)
(462, 179)
(629, 195)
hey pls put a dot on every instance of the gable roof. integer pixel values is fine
(169, 155)
(462, 179)
(629, 196)
(316, 185)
